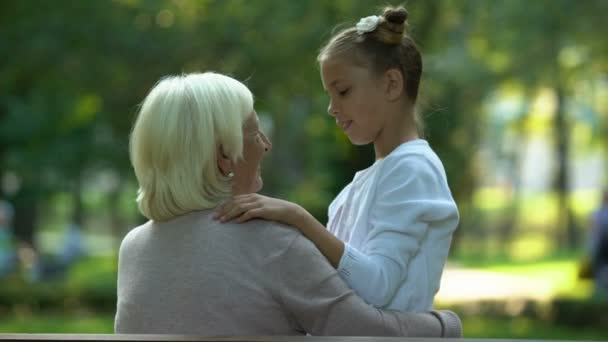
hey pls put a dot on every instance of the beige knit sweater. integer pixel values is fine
(196, 276)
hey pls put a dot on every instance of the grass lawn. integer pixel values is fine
(58, 323)
(561, 274)
(474, 327)
(558, 272)
(523, 328)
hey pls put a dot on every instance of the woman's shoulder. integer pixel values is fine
(138, 230)
(287, 245)
(129, 241)
(271, 235)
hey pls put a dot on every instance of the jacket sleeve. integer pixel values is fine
(408, 196)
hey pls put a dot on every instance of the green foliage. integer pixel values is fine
(73, 74)
(90, 283)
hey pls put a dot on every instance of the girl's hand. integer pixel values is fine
(249, 206)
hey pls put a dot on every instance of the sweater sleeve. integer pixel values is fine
(408, 196)
(322, 304)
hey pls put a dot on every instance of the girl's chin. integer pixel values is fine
(358, 141)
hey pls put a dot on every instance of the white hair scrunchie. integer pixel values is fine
(367, 24)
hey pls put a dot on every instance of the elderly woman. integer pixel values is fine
(196, 142)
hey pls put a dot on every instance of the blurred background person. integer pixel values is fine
(598, 246)
(7, 247)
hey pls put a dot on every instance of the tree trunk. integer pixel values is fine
(78, 208)
(26, 214)
(509, 221)
(568, 234)
(117, 222)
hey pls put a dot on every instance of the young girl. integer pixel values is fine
(390, 229)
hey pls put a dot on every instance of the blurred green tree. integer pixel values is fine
(73, 74)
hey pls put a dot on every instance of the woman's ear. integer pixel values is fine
(224, 164)
(394, 84)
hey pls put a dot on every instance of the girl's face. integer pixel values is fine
(357, 99)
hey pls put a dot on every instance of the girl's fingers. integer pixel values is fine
(237, 210)
(225, 208)
(237, 206)
(243, 218)
(248, 215)
(233, 212)
(221, 209)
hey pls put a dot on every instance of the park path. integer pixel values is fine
(462, 285)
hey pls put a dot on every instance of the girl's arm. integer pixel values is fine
(326, 242)
(247, 207)
(408, 197)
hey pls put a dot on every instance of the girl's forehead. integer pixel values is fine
(335, 71)
(336, 65)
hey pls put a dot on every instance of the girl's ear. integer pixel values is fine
(394, 84)
(224, 164)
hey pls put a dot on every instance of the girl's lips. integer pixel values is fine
(344, 124)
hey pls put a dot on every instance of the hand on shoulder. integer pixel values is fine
(242, 208)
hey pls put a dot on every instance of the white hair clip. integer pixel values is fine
(367, 24)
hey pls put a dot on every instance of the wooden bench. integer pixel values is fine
(178, 338)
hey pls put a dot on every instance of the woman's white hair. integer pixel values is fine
(181, 125)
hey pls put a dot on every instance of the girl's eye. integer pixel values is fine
(344, 92)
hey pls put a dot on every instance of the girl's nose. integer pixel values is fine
(331, 109)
